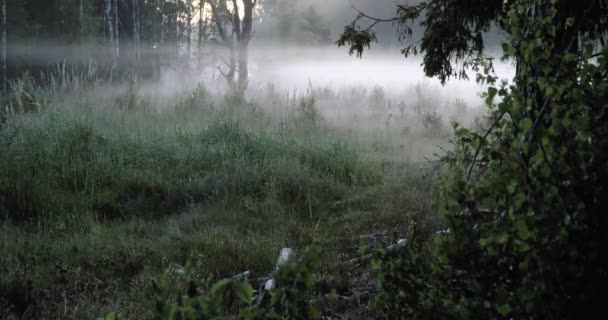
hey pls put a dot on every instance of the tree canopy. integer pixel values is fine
(452, 38)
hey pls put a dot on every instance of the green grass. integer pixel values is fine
(51, 165)
(95, 204)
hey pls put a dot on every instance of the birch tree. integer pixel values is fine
(81, 19)
(221, 17)
(244, 37)
(162, 23)
(4, 25)
(242, 32)
(189, 31)
(116, 31)
(136, 30)
(62, 17)
(109, 20)
(202, 31)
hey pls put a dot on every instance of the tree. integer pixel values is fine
(189, 30)
(116, 31)
(244, 34)
(314, 26)
(109, 18)
(222, 17)
(203, 27)
(453, 30)
(524, 201)
(136, 29)
(238, 41)
(81, 21)
(4, 26)
(285, 13)
(162, 25)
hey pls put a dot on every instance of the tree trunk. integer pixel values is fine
(236, 31)
(139, 30)
(4, 26)
(243, 64)
(244, 38)
(110, 21)
(227, 41)
(81, 19)
(162, 25)
(178, 31)
(189, 32)
(116, 32)
(61, 20)
(232, 66)
(202, 30)
(136, 31)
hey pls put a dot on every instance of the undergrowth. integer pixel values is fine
(100, 196)
(52, 164)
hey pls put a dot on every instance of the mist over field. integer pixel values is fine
(132, 142)
(284, 159)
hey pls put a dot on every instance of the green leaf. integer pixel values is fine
(502, 238)
(522, 229)
(525, 124)
(308, 278)
(504, 310)
(276, 297)
(491, 95)
(217, 288)
(110, 316)
(244, 290)
(461, 132)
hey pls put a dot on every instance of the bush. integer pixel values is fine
(293, 297)
(22, 98)
(524, 201)
(52, 164)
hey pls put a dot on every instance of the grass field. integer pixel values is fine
(100, 193)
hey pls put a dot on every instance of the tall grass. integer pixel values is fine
(100, 193)
(54, 163)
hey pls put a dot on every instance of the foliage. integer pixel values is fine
(24, 97)
(453, 36)
(53, 164)
(307, 110)
(357, 39)
(293, 297)
(314, 28)
(130, 100)
(284, 11)
(411, 282)
(523, 201)
(107, 199)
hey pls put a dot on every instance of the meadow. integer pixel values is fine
(105, 187)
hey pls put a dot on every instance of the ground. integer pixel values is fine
(100, 195)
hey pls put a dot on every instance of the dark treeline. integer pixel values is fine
(43, 34)
(142, 36)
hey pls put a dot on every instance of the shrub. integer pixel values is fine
(53, 164)
(290, 296)
(22, 98)
(523, 201)
(131, 99)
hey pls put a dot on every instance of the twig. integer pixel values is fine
(479, 146)
(361, 14)
(222, 72)
(242, 276)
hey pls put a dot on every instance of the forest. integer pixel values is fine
(285, 159)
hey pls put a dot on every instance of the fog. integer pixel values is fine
(332, 67)
(381, 86)
(339, 13)
(298, 71)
